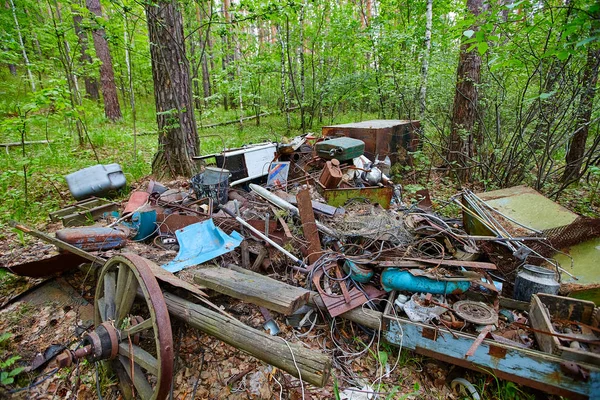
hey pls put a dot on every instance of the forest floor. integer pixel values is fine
(204, 365)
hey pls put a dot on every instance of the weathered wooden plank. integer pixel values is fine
(256, 289)
(524, 366)
(314, 366)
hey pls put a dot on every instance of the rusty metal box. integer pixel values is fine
(395, 138)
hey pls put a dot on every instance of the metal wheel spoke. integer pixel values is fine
(142, 386)
(109, 295)
(128, 297)
(140, 356)
(146, 324)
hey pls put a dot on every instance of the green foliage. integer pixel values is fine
(8, 371)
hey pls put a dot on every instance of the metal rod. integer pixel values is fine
(302, 265)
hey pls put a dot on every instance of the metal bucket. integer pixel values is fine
(532, 279)
(212, 183)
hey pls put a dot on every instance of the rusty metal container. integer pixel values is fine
(94, 238)
(332, 174)
(395, 138)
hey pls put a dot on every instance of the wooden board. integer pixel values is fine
(546, 307)
(253, 288)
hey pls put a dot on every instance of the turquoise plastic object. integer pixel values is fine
(201, 242)
(397, 279)
(358, 273)
(144, 222)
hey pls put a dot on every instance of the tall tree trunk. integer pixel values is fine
(425, 62)
(112, 110)
(178, 137)
(302, 74)
(286, 101)
(226, 48)
(576, 153)
(91, 84)
(464, 113)
(25, 57)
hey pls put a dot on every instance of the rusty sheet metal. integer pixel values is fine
(169, 223)
(379, 195)
(276, 233)
(136, 200)
(396, 138)
(321, 208)
(337, 304)
(48, 266)
(309, 227)
(94, 238)
(524, 366)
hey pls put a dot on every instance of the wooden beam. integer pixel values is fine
(256, 288)
(314, 366)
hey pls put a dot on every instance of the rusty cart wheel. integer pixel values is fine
(133, 335)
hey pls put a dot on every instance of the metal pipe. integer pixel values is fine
(279, 202)
(302, 265)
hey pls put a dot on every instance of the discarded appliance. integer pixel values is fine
(397, 279)
(83, 212)
(97, 180)
(201, 242)
(212, 183)
(532, 279)
(245, 163)
(94, 238)
(393, 138)
(340, 148)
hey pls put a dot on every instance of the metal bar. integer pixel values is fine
(302, 265)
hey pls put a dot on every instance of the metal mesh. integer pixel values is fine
(579, 231)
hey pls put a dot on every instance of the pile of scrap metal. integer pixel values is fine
(320, 214)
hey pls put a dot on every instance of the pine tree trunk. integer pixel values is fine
(91, 84)
(576, 153)
(464, 113)
(112, 110)
(178, 137)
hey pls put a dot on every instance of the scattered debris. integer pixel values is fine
(324, 237)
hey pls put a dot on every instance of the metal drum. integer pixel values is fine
(532, 279)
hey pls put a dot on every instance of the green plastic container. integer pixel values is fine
(342, 148)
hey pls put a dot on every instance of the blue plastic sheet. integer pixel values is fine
(201, 242)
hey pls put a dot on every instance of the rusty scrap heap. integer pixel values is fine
(316, 231)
